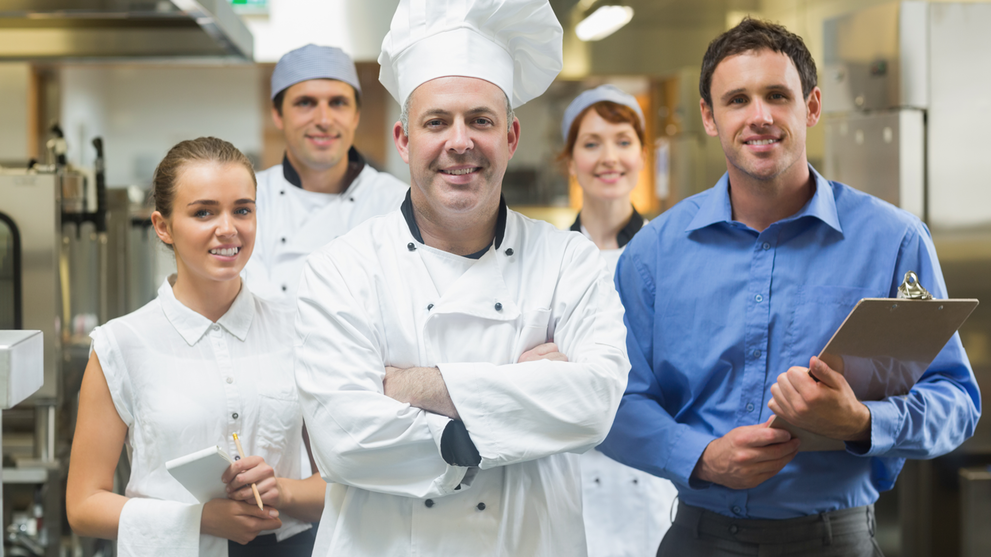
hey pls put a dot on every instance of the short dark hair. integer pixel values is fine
(752, 35)
(281, 96)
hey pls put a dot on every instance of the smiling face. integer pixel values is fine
(212, 225)
(458, 147)
(760, 116)
(607, 158)
(318, 120)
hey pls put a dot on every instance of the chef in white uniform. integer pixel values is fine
(324, 187)
(453, 358)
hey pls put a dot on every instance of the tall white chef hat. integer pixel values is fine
(514, 44)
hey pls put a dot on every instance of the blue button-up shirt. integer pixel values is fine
(716, 311)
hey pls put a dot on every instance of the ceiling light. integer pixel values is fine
(603, 22)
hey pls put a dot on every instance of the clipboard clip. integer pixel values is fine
(911, 289)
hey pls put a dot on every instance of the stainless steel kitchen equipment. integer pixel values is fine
(64, 244)
(21, 370)
(906, 111)
(118, 29)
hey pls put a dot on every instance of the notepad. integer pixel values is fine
(200, 472)
(882, 349)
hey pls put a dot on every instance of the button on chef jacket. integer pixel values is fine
(181, 384)
(293, 222)
(379, 297)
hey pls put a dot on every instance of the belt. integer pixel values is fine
(825, 526)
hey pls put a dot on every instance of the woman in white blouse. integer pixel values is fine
(626, 511)
(204, 360)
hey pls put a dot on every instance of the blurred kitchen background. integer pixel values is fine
(94, 92)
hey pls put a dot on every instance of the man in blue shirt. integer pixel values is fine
(731, 291)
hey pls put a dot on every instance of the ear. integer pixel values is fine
(162, 227)
(401, 140)
(513, 136)
(276, 117)
(813, 106)
(708, 121)
(572, 169)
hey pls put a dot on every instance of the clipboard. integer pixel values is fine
(884, 346)
(200, 472)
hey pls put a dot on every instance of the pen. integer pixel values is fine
(254, 488)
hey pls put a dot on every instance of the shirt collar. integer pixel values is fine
(192, 326)
(625, 234)
(356, 163)
(716, 207)
(414, 229)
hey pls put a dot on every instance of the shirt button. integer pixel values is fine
(429, 503)
(215, 327)
(756, 353)
(230, 380)
(284, 288)
(750, 407)
(234, 415)
(733, 529)
(759, 298)
(509, 251)
(766, 246)
(480, 506)
(430, 307)
(283, 240)
(498, 306)
(283, 192)
(736, 510)
(411, 246)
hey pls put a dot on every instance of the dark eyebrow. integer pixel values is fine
(214, 202)
(473, 111)
(732, 93)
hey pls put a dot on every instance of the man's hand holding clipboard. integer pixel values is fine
(819, 399)
(880, 350)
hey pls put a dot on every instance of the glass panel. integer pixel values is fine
(8, 274)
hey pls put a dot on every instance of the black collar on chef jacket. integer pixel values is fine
(624, 236)
(356, 163)
(414, 229)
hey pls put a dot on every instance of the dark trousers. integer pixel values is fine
(700, 533)
(300, 545)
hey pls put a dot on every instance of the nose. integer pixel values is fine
(760, 114)
(323, 115)
(225, 225)
(608, 156)
(459, 140)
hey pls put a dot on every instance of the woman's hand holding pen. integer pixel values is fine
(236, 520)
(253, 470)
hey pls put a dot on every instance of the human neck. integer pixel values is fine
(761, 203)
(604, 218)
(464, 235)
(325, 180)
(209, 298)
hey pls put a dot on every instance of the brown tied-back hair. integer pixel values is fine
(753, 35)
(611, 112)
(201, 149)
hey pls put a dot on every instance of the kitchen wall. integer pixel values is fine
(142, 110)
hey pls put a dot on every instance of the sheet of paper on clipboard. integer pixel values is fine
(885, 345)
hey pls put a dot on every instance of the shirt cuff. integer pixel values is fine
(456, 446)
(686, 455)
(883, 415)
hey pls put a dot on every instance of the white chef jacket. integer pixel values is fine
(368, 300)
(181, 384)
(293, 222)
(627, 511)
